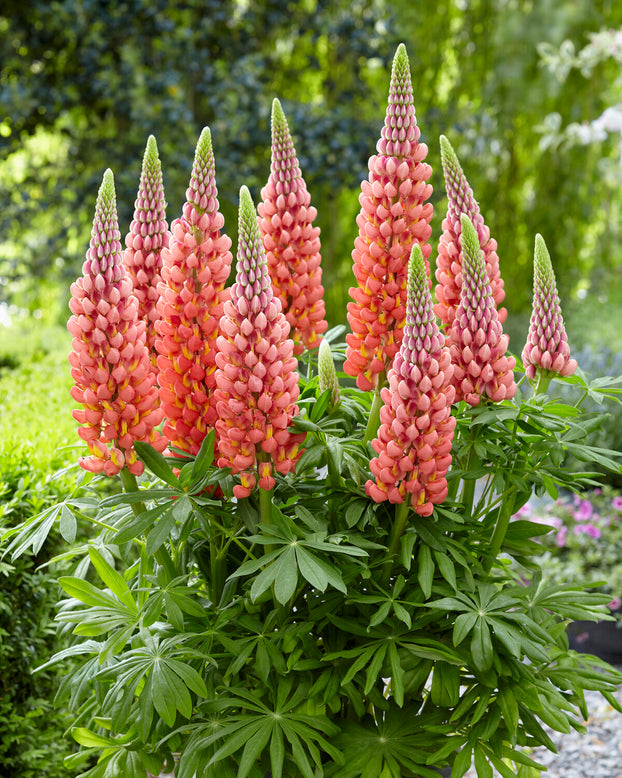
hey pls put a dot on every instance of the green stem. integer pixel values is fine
(374, 415)
(499, 533)
(544, 379)
(162, 556)
(399, 525)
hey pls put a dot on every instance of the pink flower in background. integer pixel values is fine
(476, 340)
(291, 241)
(416, 431)
(147, 237)
(584, 511)
(616, 503)
(448, 273)
(256, 371)
(560, 538)
(547, 346)
(394, 216)
(615, 604)
(110, 359)
(524, 511)
(192, 293)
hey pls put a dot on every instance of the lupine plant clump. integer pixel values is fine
(295, 576)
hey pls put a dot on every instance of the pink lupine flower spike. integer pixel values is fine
(109, 359)
(291, 241)
(256, 371)
(476, 340)
(195, 269)
(147, 237)
(416, 433)
(394, 216)
(449, 261)
(546, 352)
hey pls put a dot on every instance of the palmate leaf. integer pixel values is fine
(396, 740)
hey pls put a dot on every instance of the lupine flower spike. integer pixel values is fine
(394, 216)
(416, 433)
(291, 241)
(449, 262)
(327, 375)
(147, 237)
(109, 359)
(195, 268)
(476, 340)
(256, 370)
(546, 351)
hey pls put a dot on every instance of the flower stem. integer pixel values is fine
(501, 528)
(544, 379)
(399, 525)
(162, 556)
(374, 415)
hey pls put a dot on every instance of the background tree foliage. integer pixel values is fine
(84, 82)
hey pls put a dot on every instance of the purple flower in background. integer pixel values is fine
(592, 531)
(584, 511)
(616, 503)
(597, 491)
(615, 604)
(524, 511)
(560, 538)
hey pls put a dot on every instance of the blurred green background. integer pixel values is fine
(84, 82)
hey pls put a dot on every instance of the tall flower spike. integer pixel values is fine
(547, 348)
(291, 242)
(476, 340)
(449, 262)
(393, 217)
(416, 432)
(110, 360)
(327, 375)
(195, 268)
(256, 370)
(147, 237)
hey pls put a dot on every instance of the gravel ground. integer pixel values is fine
(597, 754)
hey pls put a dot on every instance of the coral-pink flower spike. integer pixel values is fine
(416, 431)
(291, 241)
(449, 261)
(256, 370)
(476, 340)
(195, 269)
(144, 242)
(394, 216)
(547, 348)
(110, 360)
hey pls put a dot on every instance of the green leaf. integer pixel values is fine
(462, 626)
(254, 746)
(286, 580)
(113, 579)
(446, 567)
(156, 463)
(160, 531)
(205, 457)
(85, 592)
(90, 739)
(481, 645)
(310, 569)
(68, 525)
(425, 570)
(277, 752)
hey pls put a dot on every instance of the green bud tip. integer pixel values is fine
(247, 213)
(204, 145)
(151, 150)
(106, 190)
(400, 60)
(471, 251)
(542, 258)
(278, 117)
(417, 277)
